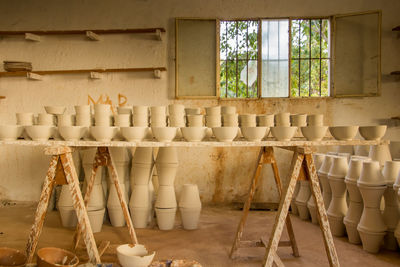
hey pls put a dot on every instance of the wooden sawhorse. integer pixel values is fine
(62, 171)
(266, 156)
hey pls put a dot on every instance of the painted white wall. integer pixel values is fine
(222, 174)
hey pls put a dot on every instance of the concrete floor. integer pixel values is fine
(209, 245)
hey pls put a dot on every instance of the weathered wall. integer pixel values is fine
(222, 174)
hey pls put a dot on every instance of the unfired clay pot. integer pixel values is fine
(190, 206)
(10, 257)
(380, 153)
(96, 218)
(52, 257)
(165, 218)
(282, 119)
(373, 132)
(265, 120)
(254, 133)
(343, 132)
(318, 159)
(302, 199)
(314, 133)
(315, 119)
(323, 176)
(293, 205)
(283, 133)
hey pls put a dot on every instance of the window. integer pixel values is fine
(239, 59)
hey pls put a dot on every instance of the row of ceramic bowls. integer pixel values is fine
(166, 134)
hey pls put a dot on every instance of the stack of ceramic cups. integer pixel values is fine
(140, 203)
(355, 209)
(102, 115)
(25, 119)
(83, 117)
(338, 206)
(165, 206)
(298, 120)
(121, 162)
(192, 111)
(247, 120)
(126, 110)
(323, 178)
(140, 116)
(176, 118)
(158, 116)
(229, 116)
(121, 120)
(190, 206)
(391, 213)
(315, 120)
(195, 120)
(371, 227)
(265, 120)
(213, 119)
(312, 208)
(48, 120)
(97, 202)
(282, 119)
(396, 187)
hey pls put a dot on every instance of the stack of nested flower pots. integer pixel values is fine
(302, 198)
(121, 163)
(158, 116)
(371, 227)
(229, 116)
(140, 116)
(140, 203)
(396, 187)
(122, 119)
(190, 206)
(323, 178)
(83, 118)
(355, 209)
(391, 213)
(213, 119)
(176, 118)
(165, 206)
(97, 202)
(380, 153)
(312, 208)
(338, 206)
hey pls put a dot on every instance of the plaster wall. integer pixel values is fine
(222, 174)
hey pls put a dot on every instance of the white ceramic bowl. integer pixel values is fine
(164, 134)
(283, 133)
(225, 134)
(55, 110)
(72, 133)
(134, 255)
(103, 133)
(372, 132)
(40, 132)
(10, 132)
(254, 133)
(343, 132)
(194, 134)
(134, 134)
(314, 133)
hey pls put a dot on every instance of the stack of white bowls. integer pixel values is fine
(176, 118)
(97, 202)
(25, 119)
(190, 206)
(213, 119)
(141, 171)
(338, 206)
(121, 162)
(391, 214)
(83, 117)
(371, 227)
(355, 209)
(312, 208)
(140, 116)
(265, 120)
(126, 110)
(283, 131)
(323, 178)
(165, 206)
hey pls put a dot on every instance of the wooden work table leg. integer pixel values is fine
(114, 179)
(41, 209)
(283, 210)
(323, 218)
(79, 205)
(247, 204)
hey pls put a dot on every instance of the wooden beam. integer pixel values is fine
(70, 32)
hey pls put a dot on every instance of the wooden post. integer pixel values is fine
(283, 210)
(41, 209)
(323, 217)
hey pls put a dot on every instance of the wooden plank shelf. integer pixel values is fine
(77, 71)
(396, 28)
(395, 72)
(70, 32)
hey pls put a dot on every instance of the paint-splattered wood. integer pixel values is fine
(57, 150)
(41, 209)
(283, 210)
(79, 206)
(295, 142)
(246, 208)
(323, 218)
(115, 180)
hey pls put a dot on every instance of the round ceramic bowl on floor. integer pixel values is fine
(55, 110)
(72, 133)
(283, 133)
(49, 257)
(10, 132)
(164, 134)
(372, 132)
(103, 133)
(225, 134)
(40, 132)
(314, 133)
(134, 255)
(254, 134)
(134, 134)
(194, 134)
(11, 257)
(343, 132)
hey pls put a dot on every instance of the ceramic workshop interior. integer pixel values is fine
(184, 198)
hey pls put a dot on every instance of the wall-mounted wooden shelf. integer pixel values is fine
(35, 75)
(110, 31)
(396, 28)
(395, 72)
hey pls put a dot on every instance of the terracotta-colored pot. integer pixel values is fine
(10, 257)
(52, 257)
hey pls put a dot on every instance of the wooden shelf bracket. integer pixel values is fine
(159, 35)
(34, 76)
(32, 37)
(95, 75)
(93, 36)
(157, 74)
